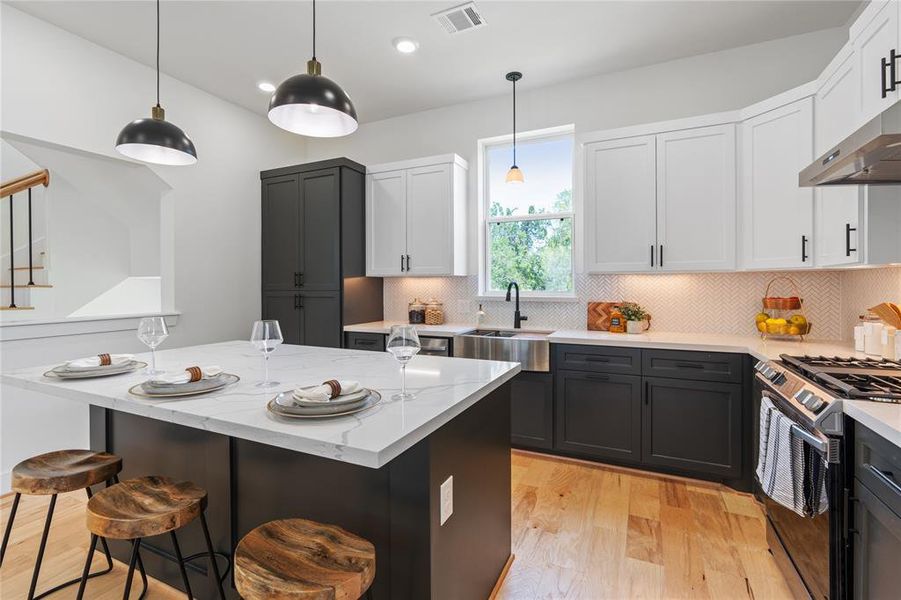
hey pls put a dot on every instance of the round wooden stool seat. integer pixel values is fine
(300, 559)
(63, 471)
(143, 507)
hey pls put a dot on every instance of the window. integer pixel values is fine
(529, 226)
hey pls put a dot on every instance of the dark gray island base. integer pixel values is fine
(396, 507)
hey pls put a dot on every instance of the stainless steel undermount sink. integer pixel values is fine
(529, 348)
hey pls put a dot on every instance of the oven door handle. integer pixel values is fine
(816, 443)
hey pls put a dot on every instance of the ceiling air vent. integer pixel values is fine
(465, 17)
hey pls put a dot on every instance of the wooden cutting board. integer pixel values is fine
(599, 315)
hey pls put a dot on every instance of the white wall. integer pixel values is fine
(60, 88)
(698, 85)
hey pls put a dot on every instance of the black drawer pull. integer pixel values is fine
(689, 365)
(598, 377)
(886, 477)
(600, 359)
(365, 342)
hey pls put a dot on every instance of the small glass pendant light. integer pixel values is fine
(514, 175)
(311, 104)
(156, 140)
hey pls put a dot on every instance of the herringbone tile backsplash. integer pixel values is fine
(703, 302)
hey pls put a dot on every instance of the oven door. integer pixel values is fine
(806, 549)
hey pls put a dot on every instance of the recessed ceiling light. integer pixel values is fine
(267, 87)
(405, 45)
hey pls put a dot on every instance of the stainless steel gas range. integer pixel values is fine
(813, 551)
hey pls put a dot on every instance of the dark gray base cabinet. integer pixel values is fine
(532, 410)
(876, 547)
(307, 318)
(692, 425)
(599, 415)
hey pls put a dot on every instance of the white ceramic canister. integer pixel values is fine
(872, 338)
(858, 338)
(889, 333)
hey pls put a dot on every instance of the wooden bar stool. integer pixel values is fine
(56, 473)
(298, 559)
(144, 507)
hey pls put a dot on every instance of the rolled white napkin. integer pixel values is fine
(185, 376)
(92, 362)
(323, 393)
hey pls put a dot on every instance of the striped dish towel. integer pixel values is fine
(789, 471)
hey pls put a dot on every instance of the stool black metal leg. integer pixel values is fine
(109, 567)
(181, 565)
(87, 567)
(9, 526)
(143, 578)
(37, 563)
(209, 548)
(135, 548)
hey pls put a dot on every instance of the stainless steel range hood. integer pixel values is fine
(869, 156)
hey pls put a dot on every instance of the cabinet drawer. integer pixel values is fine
(365, 341)
(877, 463)
(600, 359)
(699, 366)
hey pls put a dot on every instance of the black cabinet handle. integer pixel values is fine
(886, 477)
(661, 255)
(408, 263)
(598, 377)
(803, 248)
(401, 263)
(296, 301)
(301, 279)
(889, 81)
(365, 342)
(296, 278)
(848, 248)
(652, 255)
(600, 359)
(689, 365)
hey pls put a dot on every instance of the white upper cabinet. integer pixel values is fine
(837, 110)
(776, 213)
(416, 217)
(696, 179)
(838, 225)
(620, 205)
(874, 36)
(660, 202)
(386, 222)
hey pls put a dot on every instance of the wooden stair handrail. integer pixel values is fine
(14, 186)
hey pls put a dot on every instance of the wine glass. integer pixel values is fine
(403, 343)
(152, 331)
(266, 337)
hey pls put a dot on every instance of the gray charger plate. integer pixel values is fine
(325, 411)
(184, 389)
(62, 373)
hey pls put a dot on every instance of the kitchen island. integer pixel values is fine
(377, 473)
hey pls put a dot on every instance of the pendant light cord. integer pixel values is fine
(514, 122)
(157, 52)
(314, 29)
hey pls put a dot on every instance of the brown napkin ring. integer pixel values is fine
(196, 374)
(105, 360)
(334, 386)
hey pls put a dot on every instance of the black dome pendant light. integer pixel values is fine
(156, 140)
(514, 175)
(313, 105)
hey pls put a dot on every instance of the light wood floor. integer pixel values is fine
(579, 531)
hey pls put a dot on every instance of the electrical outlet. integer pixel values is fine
(447, 499)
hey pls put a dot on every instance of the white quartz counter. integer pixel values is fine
(446, 330)
(444, 388)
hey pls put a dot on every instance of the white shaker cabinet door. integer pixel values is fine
(696, 198)
(838, 225)
(873, 41)
(777, 214)
(837, 108)
(386, 223)
(430, 220)
(619, 205)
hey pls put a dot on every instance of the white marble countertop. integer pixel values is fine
(446, 330)
(706, 342)
(444, 388)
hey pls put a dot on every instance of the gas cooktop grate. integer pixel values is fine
(855, 378)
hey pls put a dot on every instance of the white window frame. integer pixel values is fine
(485, 220)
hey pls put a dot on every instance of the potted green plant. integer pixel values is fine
(637, 318)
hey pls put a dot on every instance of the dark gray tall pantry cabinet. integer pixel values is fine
(314, 252)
